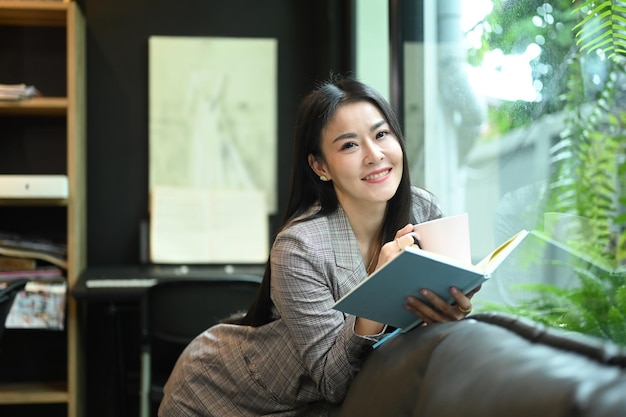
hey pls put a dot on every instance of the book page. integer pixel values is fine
(201, 226)
(489, 263)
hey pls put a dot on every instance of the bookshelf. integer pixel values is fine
(47, 40)
(36, 106)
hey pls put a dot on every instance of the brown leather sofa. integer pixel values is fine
(490, 365)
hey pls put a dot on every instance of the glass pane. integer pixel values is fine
(509, 118)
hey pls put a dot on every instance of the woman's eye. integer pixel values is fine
(348, 145)
(382, 134)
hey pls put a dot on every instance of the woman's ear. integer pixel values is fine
(318, 167)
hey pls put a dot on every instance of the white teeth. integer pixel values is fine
(376, 176)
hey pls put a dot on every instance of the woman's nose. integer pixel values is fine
(374, 153)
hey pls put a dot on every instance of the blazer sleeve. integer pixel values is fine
(304, 283)
(425, 206)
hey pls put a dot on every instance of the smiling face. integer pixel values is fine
(362, 156)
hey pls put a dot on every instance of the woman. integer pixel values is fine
(351, 209)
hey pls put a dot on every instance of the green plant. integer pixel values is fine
(588, 172)
(602, 27)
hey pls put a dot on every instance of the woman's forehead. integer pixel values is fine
(352, 113)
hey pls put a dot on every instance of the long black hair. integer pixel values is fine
(315, 112)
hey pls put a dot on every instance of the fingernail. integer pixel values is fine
(424, 292)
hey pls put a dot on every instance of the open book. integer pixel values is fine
(381, 296)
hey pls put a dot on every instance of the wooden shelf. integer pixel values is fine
(64, 14)
(33, 13)
(36, 106)
(30, 202)
(34, 393)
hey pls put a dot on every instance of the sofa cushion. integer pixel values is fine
(490, 365)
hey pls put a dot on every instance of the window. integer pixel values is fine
(506, 118)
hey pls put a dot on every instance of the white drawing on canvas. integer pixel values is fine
(213, 113)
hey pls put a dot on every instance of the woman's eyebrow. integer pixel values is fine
(351, 135)
(377, 125)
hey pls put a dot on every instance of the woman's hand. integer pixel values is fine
(439, 310)
(404, 237)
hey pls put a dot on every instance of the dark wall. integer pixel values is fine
(314, 38)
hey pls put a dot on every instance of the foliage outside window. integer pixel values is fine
(580, 73)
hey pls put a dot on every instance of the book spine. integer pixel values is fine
(16, 264)
(35, 274)
(387, 338)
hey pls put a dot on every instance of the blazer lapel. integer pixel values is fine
(343, 240)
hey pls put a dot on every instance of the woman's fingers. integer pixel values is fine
(437, 309)
(474, 291)
(404, 237)
(463, 302)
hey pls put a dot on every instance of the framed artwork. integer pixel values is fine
(213, 114)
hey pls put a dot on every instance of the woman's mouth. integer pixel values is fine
(377, 175)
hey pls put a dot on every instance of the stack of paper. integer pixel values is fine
(203, 226)
(17, 91)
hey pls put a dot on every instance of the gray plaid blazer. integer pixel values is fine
(302, 363)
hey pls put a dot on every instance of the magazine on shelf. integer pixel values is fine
(61, 262)
(40, 305)
(34, 243)
(15, 246)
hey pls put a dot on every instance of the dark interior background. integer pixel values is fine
(314, 38)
